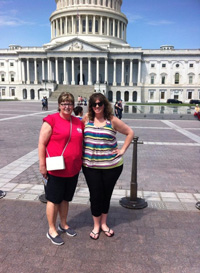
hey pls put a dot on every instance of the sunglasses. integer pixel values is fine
(97, 103)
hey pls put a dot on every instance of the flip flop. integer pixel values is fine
(108, 231)
(94, 235)
(197, 205)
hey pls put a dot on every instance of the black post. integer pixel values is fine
(133, 202)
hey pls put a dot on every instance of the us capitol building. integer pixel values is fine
(88, 52)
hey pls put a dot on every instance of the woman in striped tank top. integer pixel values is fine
(102, 159)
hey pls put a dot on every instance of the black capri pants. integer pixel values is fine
(101, 183)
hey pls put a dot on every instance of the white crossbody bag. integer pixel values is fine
(55, 163)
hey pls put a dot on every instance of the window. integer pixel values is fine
(12, 92)
(151, 95)
(163, 65)
(2, 77)
(12, 78)
(177, 65)
(127, 68)
(90, 25)
(191, 65)
(11, 64)
(163, 80)
(189, 95)
(152, 79)
(190, 79)
(1, 64)
(96, 26)
(83, 24)
(177, 78)
(152, 65)
(3, 90)
(162, 95)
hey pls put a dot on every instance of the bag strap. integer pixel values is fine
(67, 140)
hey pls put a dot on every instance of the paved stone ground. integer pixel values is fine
(161, 238)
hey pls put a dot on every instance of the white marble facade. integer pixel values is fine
(88, 47)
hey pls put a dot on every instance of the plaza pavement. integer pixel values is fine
(164, 237)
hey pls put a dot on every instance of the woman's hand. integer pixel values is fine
(43, 171)
(118, 152)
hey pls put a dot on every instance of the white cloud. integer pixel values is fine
(10, 19)
(161, 22)
(133, 18)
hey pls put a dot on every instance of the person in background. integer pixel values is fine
(197, 111)
(102, 158)
(116, 108)
(120, 109)
(78, 111)
(60, 184)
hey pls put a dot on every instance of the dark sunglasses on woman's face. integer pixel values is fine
(97, 103)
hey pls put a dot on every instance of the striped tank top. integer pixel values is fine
(99, 143)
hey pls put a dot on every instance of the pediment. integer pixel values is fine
(75, 45)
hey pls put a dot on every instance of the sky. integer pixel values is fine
(152, 23)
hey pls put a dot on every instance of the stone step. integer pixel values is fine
(76, 90)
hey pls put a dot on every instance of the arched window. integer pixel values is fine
(83, 24)
(96, 26)
(90, 25)
(177, 78)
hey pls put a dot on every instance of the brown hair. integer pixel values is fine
(65, 96)
(108, 111)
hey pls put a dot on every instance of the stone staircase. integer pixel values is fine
(76, 90)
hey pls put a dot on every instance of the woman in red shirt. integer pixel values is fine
(60, 188)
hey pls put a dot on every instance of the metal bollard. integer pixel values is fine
(133, 202)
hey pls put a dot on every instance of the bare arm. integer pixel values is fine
(45, 134)
(124, 129)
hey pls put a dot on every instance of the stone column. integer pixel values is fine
(118, 29)
(106, 70)
(122, 82)
(89, 72)
(114, 73)
(97, 70)
(73, 25)
(66, 25)
(56, 72)
(131, 73)
(28, 73)
(93, 25)
(139, 72)
(80, 24)
(48, 69)
(35, 71)
(108, 27)
(73, 72)
(64, 71)
(23, 72)
(113, 27)
(57, 31)
(81, 72)
(60, 32)
(43, 71)
(20, 71)
(101, 25)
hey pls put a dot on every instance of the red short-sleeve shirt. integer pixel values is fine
(58, 140)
